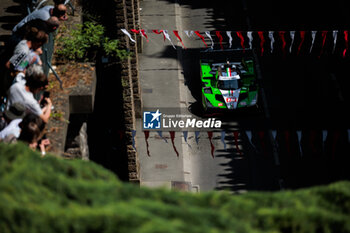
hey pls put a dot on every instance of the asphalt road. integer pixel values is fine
(299, 139)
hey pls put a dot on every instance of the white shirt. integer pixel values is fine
(12, 128)
(18, 93)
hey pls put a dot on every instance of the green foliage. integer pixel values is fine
(83, 42)
(49, 194)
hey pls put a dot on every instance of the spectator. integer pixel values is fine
(20, 59)
(32, 128)
(47, 26)
(14, 114)
(23, 92)
(60, 11)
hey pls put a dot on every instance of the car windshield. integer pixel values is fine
(228, 84)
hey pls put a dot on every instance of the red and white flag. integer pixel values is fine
(176, 33)
(302, 36)
(200, 36)
(346, 37)
(262, 41)
(218, 34)
(166, 34)
(240, 35)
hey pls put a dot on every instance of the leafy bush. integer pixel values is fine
(83, 42)
(54, 195)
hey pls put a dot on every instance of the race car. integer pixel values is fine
(228, 84)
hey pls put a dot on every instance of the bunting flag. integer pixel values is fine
(121, 134)
(292, 35)
(324, 138)
(211, 39)
(241, 37)
(250, 36)
(218, 34)
(313, 35)
(133, 134)
(202, 38)
(128, 34)
(210, 137)
(223, 134)
(159, 32)
(166, 34)
(262, 41)
(188, 33)
(228, 33)
(287, 138)
(346, 37)
(281, 34)
(196, 134)
(160, 133)
(274, 135)
(236, 134)
(172, 137)
(299, 142)
(146, 139)
(324, 36)
(176, 33)
(302, 36)
(335, 35)
(335, 143)
(185, 134)
(272, 40)
(143, 34)
(250, 136)
(312, 141)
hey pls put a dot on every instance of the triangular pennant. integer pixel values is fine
(172, 137)
(210, 137)
(250, 136)
(133, 134)
(228, 33)
(159, 32)
(272, 40)
(196, 134)
(128, 34)
(146, 139)
(236, 134)
(313, 35)
(287, 137)
(346, 38)
(262, 41)
(241, 37)
(281, 34)
(211, 39)
(223, 133)
(324, 138)
(143, 34)
(250, 36)
(188, 33)
(167, 36)
(202, 37)
(335, 35)
(299, 141)
(292, 35)
(185, 134)
(302, 36)
(135, 31)
(218, 34)
(176, 33)
(324, 36)
(160, 133)
(274, 135)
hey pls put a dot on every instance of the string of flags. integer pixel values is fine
(258, 39)
(259, 144)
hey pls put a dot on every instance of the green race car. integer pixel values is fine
(228, 84)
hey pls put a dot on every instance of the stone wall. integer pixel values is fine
(127, 16)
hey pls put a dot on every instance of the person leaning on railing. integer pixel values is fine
(23, 92)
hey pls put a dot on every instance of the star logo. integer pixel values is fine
(152, 120)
